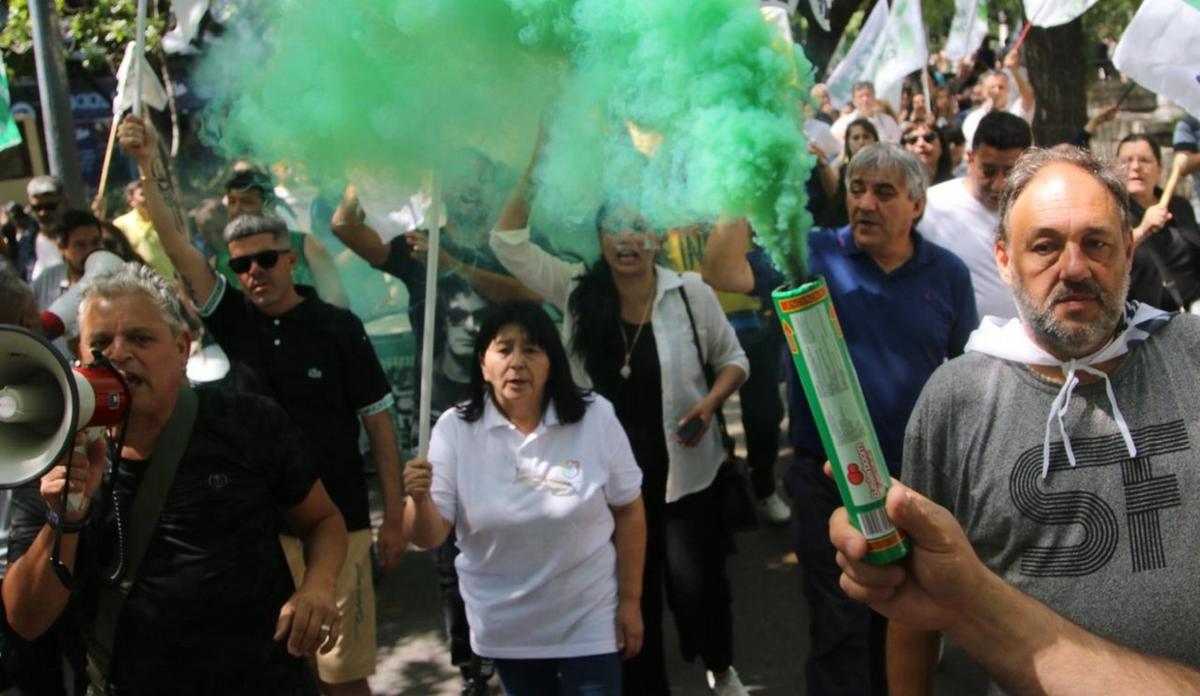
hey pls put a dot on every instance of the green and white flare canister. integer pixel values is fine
(831, 386)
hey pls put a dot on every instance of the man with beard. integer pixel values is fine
(1062, 440)
(78, 237)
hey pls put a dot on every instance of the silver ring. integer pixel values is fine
(325, 628)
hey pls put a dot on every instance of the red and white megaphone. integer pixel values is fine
(44, 402)
(62, 316)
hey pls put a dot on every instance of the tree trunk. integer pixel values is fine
(1057, 63)
(819, 44)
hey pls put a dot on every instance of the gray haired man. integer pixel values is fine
(905, 305)
(1063, 441)
(211, 607)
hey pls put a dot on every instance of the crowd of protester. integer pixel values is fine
(1017, 313)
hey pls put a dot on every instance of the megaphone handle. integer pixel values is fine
(76, 501)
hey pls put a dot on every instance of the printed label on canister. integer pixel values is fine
(822, 354)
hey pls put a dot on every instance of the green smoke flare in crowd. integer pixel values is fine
(389, 91)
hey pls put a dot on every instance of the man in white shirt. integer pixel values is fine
(962, 214)
(46, 203)
(997, 86)
(865, 107)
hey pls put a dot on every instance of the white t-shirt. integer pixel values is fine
(886, 126)
(971, 122)
(538, 568)
(954, 219)
(48, 255)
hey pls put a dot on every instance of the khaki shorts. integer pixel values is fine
(353, 657)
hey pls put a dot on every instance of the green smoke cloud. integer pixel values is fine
(379, 89)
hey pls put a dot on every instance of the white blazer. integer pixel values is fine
(690, 469)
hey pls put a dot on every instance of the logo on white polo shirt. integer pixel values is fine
(314, 373)
(558, 479)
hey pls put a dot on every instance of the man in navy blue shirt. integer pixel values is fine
(905, 306)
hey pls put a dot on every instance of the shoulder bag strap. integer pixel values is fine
(709, 376)
(143, 518)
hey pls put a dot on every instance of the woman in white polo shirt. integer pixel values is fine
(539, 479)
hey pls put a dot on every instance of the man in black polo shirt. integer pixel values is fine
(316, 360)
(211, 607)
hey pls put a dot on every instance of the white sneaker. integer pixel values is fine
(774, 509)
(728, 684)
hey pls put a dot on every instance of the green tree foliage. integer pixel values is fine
(95, 32)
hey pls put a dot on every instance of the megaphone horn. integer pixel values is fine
(44, 402)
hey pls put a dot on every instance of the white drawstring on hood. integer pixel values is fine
(1007, 340)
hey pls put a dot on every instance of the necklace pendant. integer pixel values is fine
(626, 371)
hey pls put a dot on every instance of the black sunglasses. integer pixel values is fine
(265, 260)
(44, 207)
(927, 136)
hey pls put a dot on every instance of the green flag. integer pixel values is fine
(9, 133)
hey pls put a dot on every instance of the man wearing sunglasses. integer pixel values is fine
(316, 361)
(41, 249)
(962, 214)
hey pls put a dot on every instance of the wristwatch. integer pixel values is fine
(57, 523)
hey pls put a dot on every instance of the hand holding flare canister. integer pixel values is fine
(831, 386)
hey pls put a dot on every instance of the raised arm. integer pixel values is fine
(1012, 62)
(541, 272)
(329, 286)
(724, 265)
(349, 224)
(166, 212)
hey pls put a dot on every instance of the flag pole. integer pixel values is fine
(431, 275)
(1021, 39)
(102, 187)
(139, 57)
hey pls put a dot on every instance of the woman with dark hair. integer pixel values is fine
(537, 476)
(859, 134)
(1166, 258)
(925, 140)
(114, 240)
(634, 329)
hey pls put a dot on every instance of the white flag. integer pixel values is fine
(153, 94)
(1160, 51)
(855, 65)
(820, 10)
(188, 15)
(1051, 13)
(900, 51)
(968, 29)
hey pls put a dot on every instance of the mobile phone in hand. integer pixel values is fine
(690, 429)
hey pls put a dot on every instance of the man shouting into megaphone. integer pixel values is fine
(174, 560)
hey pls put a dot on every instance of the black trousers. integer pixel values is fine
(686, 548)
(847, 654)
(762, 407)
(454, 612)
